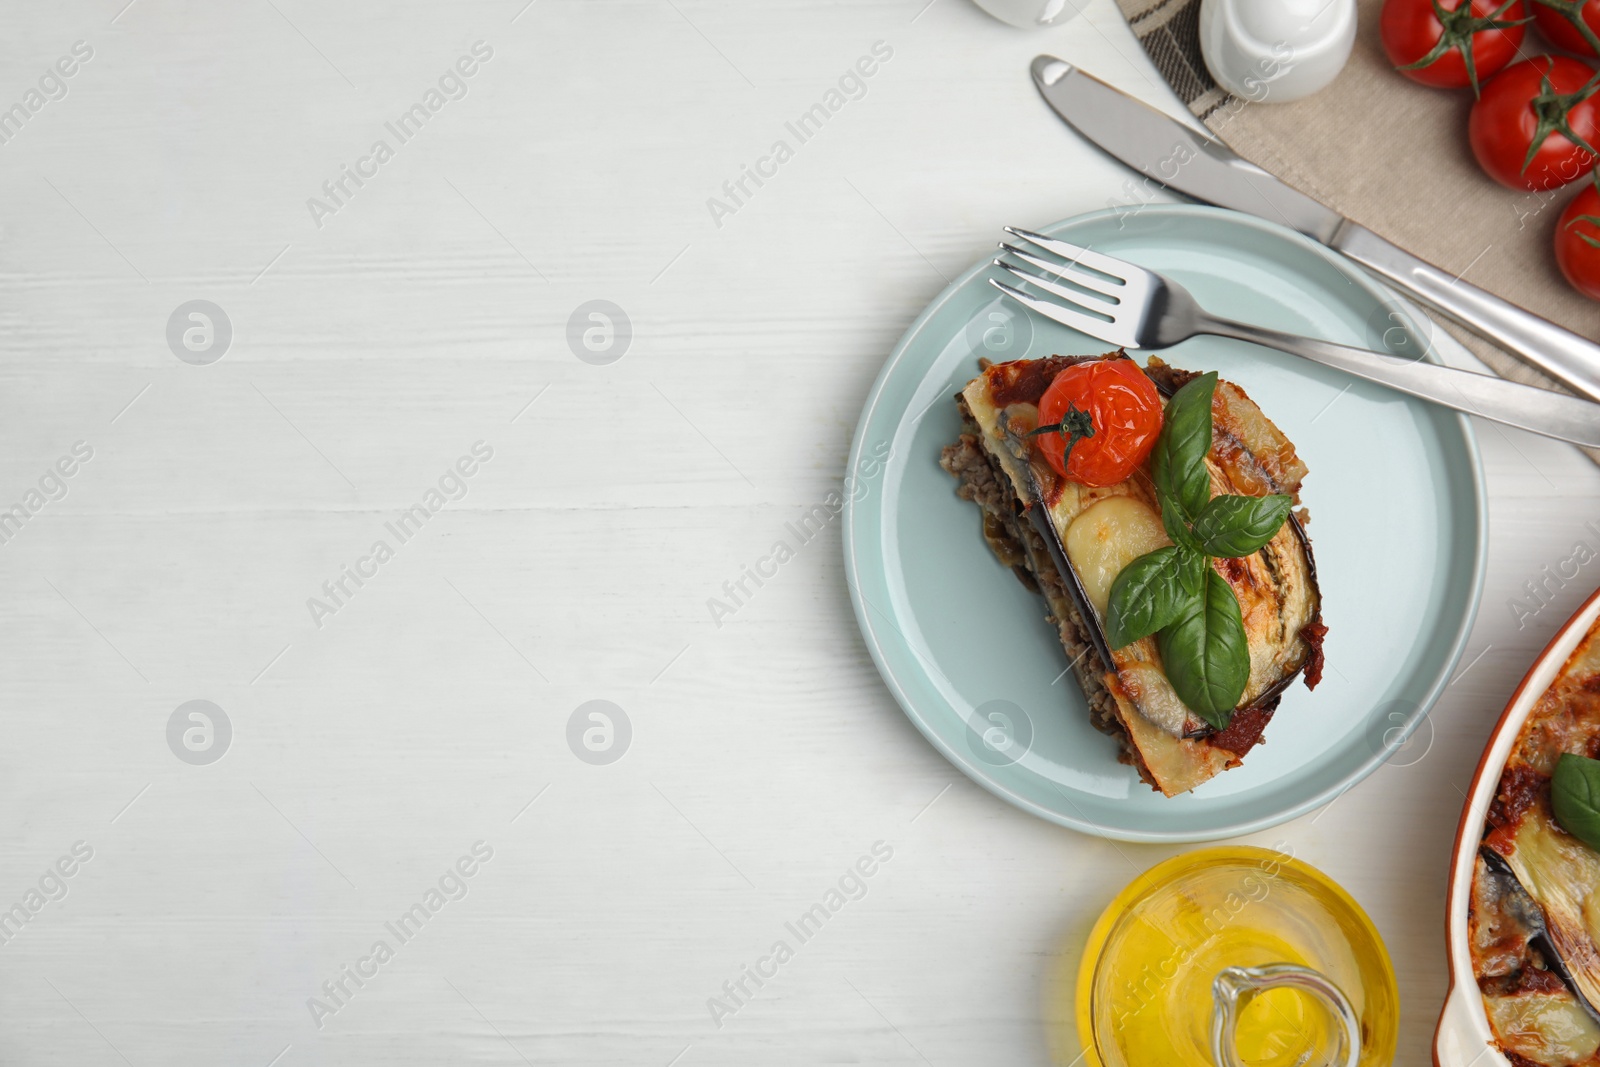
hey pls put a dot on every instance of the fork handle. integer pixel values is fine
(1566, 418)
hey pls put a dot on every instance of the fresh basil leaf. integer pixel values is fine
(1147, 595)
(1178, 463)
(1205, 654)
(1575, 796)
(1192, 570)
(1192, 558)
(1230, 527)
(1177, 525)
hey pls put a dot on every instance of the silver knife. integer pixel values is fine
(1176, 156)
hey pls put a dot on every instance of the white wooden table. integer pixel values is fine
(374, 340)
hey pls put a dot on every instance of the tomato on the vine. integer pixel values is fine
(1570, 24)
(1098, 421)
(1451, 47)
(1535, 125)
(1578, 242)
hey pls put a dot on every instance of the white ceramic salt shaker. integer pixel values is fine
(1274, 51)
(1033, 14)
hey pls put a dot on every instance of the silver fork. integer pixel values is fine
(1125, 305)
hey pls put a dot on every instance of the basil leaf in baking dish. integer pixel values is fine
(1575, 796)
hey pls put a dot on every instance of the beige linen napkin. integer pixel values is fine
(1393, 155)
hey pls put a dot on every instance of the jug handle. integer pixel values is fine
(1237, 986)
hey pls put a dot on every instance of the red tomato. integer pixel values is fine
(1473, 42)
(1118, 406)
(1534, 124)
(1578, 242)
(1562, 29)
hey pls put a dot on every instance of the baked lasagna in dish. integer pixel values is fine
(1135, 554)
(1533, 920)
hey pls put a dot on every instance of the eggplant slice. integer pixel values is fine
(1070, 541)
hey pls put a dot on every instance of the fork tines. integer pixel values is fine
(1087, 287)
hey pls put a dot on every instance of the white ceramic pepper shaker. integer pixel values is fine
(1274, 51)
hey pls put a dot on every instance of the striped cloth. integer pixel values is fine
(1169, 30)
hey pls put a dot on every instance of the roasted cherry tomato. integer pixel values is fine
(1578, 242)
(1451, 44)
(1536, 123)
(1558, 21)
(1107, 413)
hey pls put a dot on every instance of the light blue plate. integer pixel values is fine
(1398, 524)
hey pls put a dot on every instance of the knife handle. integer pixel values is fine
(1560, 353)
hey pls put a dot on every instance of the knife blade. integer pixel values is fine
(1201, 167)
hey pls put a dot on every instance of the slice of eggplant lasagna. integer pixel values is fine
(1069, 542)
